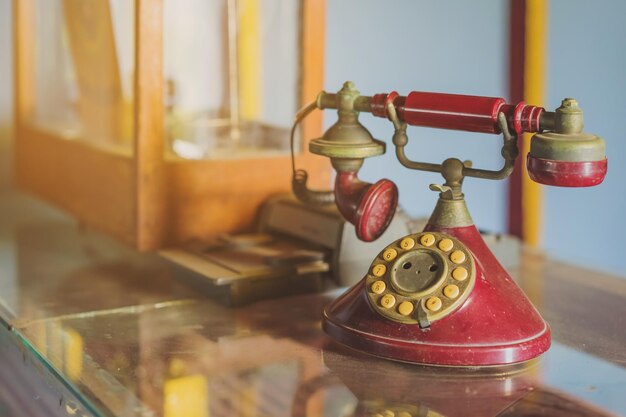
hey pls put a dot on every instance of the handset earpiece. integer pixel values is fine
(565, 156)
(369, 207)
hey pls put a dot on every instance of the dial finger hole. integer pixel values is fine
(390, 254)
(405, 308)
(434, 303)
(446, 244)
(451, 291)
(457, 257)
(388, 301)
(407, 243)
(427, 240)
(379, 270)
(378, 287)
(460, 274)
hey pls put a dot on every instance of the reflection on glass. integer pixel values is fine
(200, 359)
(231, 76)
(157, 362)
(84, 66)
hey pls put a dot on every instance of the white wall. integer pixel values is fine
(6, 90)
(587, 61)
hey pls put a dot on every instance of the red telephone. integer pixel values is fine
(440, 296)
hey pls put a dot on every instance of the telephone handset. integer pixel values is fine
(421, 278)
(561, 154)
(440, 297)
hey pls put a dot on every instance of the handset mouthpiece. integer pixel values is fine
(369, 207)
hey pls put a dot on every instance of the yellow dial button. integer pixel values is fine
(405, 308)
(457, 257)
(389, 413)
(460, 273)
(390, 254)
(379, 270)
(445, 245)
(378, 287)
(451, 291)
(404, 414)
(387, 301)
(427, 240)
(407, 243)
(433, 304)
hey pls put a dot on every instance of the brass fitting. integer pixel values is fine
(347, 141)
(569, 117)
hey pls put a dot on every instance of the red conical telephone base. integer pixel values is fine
(496, 325)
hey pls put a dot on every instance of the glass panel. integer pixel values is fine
(84, 65)
(126, 336)
(232, 72)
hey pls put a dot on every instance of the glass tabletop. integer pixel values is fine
(129, 337)
(201, 359)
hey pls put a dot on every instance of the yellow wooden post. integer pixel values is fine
(249, 57)
(534, 85)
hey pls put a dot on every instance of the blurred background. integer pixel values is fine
(450, 46)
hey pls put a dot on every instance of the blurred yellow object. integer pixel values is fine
(186, 396)
(73, 352)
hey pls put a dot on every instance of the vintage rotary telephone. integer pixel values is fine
(440, 296)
